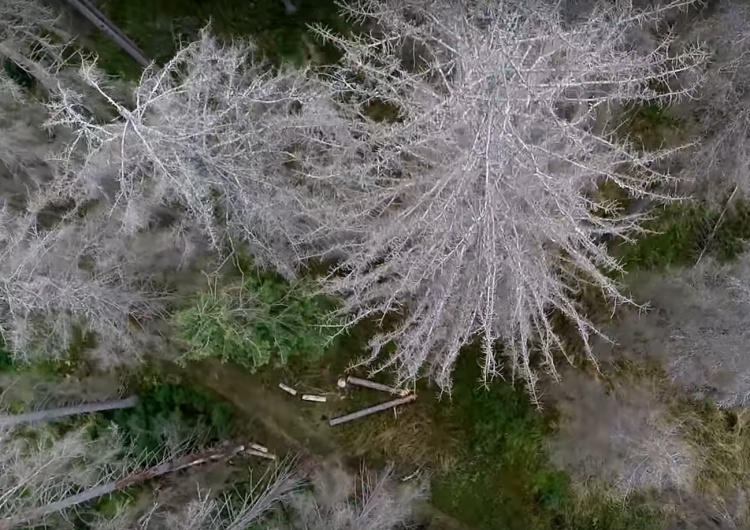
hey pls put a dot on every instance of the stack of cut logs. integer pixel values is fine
(405, 396)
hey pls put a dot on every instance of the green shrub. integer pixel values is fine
(259, 320)
(169, 412)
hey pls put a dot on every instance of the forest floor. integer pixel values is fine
(482, 450)
(492, 459)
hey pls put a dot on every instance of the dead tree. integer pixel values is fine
(61, 505)
(53, 414)
(478, 137)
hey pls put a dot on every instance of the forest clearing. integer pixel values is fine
(374, 264)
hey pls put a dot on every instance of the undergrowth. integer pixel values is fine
(679, 233)
(484, 449)
(651, 127)
(169, 414)
(722, 439)
(255, 321)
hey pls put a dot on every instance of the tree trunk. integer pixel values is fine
(162, 469)
(97, 18)
(52, 414)
(372, 410)
(366, 383)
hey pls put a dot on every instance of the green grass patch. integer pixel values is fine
(680, 232)
(651, 127)
(722, 440)
(504, 479)
(257, 320)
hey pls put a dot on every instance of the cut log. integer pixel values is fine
(287, 389)
(313, 397)
(366, 383)
(372, 410)
(261, 454)
(53, 414)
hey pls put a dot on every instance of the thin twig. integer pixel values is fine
(716, 227)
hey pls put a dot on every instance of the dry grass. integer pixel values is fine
(421, 435)
(722, 439)
(617, 432)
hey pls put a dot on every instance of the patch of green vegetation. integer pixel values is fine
(158, 26)
(109, 506)
(71, 363)
(18, 75)
(651, 127)
(679, 233)
(486, 454)
(612, 199)
(6, 361)
(169, 412)
(504, 480)
(258, 320)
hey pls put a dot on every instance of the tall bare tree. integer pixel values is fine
(481, 131)
(66, 264)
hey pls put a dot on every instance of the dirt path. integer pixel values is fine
(290, 423)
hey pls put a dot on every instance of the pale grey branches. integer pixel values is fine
(229, 510)
(369, 501)
(39, 468)
(333, 499)
(721, 162)
(475, 203)
(703, 319)
(208, 135)
(56, 282)
(621, 436)
(32, 37)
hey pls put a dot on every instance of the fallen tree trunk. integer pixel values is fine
(104, 489)
(97, 18)
(372, 410)
(53, 414)
(366, 383)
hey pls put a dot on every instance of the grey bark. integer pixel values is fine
(52, 414)
(356, 381)
(372, 410)
(97, 18)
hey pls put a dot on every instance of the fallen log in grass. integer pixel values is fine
(39, 416)
(372, 410)
(366, 383)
